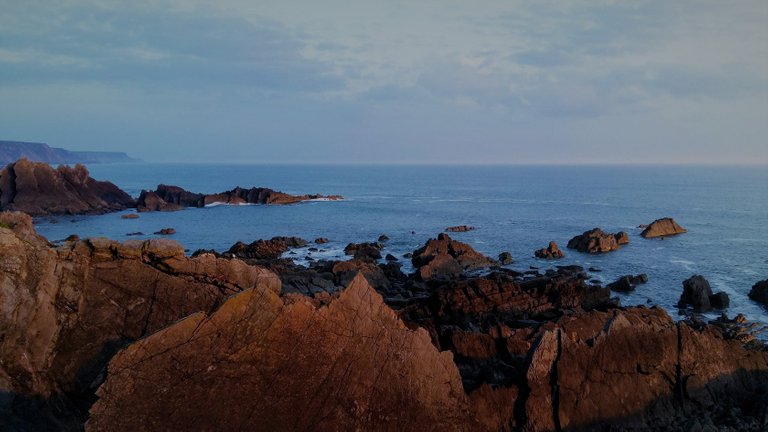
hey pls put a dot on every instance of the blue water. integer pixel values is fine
(516, 209)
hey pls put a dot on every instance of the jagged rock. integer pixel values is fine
(759, 292)
(550, 252)
(65, 311)
(171, 198)
(364, 251)
(38, 189)
(351, 365)
(460, 228)
(266, 249)
(628, 283)
(662, 228)
(443, 258)
(505, 258)
(347, 270)
(698, 294)
(597, 241)
(390, 257)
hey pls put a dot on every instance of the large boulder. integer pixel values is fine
(550, 252)
(445, 258)
(38, 189)
(270, 249)
(596, 241)
(759, 292)
(698, 294)
(663, 227)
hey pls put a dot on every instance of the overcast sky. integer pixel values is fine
(390, 81)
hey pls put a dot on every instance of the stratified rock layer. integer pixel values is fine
(38, 189)
(663, 227)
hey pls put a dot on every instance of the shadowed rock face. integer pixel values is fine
(65, 311)
(38, 189)
(663, 227)
(596, 241)
(759, 292)
(259, 363)
(172, 198)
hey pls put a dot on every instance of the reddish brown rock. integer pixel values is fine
(65, 311)
(460, 228)
(270, 249)
(130, 216)
(260, 364)
(38, 189)
(444, 258)
(597, 241)
(550, 252)
(662, 228)
(171, 198)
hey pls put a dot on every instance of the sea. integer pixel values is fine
(517, 209)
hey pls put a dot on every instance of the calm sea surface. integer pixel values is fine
(516, 209)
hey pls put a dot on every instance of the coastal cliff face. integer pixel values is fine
(136, 336)
(38, 189)
(65, 311)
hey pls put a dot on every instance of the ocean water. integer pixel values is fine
(515, 208)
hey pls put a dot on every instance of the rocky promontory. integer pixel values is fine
(171, 198)
(38, 189)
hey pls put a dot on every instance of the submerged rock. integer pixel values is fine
(663, 227)
(460, 228)
(166, 231)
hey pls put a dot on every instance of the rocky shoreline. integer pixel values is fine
(104, 335)
(38, 189)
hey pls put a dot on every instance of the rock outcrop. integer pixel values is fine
(698, 293)
(444, 258)
(759, 292)
(460, 228)
(550, 252)
(65, 311)
(628, 282)
(172, 198)
(596, 241)
(270, 249)
(364, 251)
(663, 227)
(38, 189)
(259, 363)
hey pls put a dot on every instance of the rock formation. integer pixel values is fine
(38, 189)
(550, 252)
(663, 227)
(65, 311)
(698, 294)
(443, 258)
(266, 249)
(628, 282)
(171, 198)
(505, 258)
(759, 292)
(597, 241)
(460, 228)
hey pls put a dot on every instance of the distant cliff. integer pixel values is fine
(11, 151)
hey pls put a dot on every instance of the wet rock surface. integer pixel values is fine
(552, 251)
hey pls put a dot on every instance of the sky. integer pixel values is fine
(424, 82)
